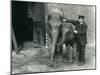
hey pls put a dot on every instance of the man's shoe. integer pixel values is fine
(81, 63)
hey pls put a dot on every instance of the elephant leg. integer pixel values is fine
(58, 55)
(60, 46)
(69, 52)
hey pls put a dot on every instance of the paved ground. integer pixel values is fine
(33, 59)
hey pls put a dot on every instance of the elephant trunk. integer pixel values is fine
(54, 42)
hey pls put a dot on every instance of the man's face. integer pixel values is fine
(80, 20)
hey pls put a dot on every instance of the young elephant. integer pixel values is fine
(67, 38)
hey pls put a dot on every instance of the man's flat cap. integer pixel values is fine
(81, 16)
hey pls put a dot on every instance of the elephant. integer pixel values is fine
(53, 30)
(67, 37)
(59, 33)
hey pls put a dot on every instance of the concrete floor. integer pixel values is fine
(33, 59)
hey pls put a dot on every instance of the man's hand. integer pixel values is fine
(75, 31)
(64, 20)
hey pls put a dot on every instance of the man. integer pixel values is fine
(81, 37)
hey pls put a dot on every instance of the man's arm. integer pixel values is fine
(70, 21)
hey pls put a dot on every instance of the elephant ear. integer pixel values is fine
(72, 27)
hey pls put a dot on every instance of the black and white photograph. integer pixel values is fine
(52, 37)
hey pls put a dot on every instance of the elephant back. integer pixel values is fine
(68, 27)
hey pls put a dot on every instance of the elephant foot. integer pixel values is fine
(75, 61)
(50, 65)
(54, 63)
(70, 61)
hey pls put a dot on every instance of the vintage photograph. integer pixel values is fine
(52, 37)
